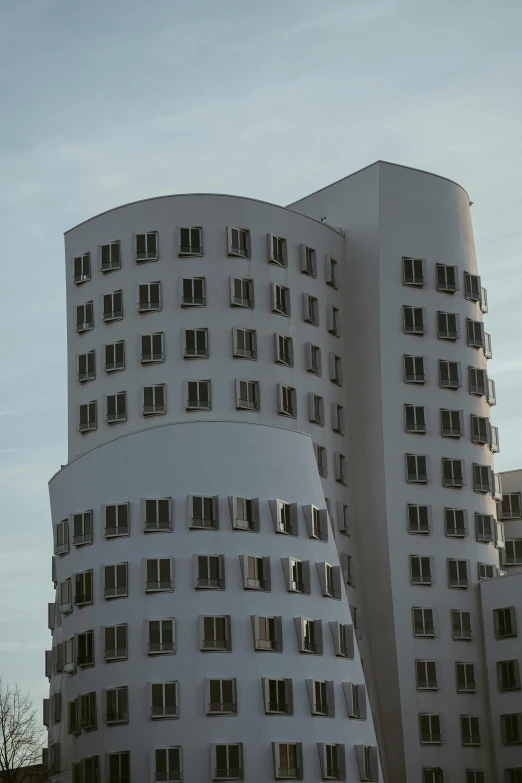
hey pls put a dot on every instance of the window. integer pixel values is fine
(196, 343)
(465, 673)
(423, 622)
(414, 320)
(316, 409)
(488, 349)
(513, 554)
(447, 279)
(154, 401)
(433, 775)
(421, 569)
(255, 572)
(117, 520)
(513, 775)
(313, 359)
(115, 637)
(486, 571)
(227, 762)
(215, 633)
(287, 404)
(116, 408)
(332, 760)
(115, 356)
(332, 277)
(149, 297)
(241, 292)
(355, 696)
(284, 517)
(277, 250)
(492, 399)
(268, 632)
(309, 635)
(238, 242)
(479, 429)
(87, 421)
(117, 705)
(367, 762)
(84, 317)
(113, 306)
(448, 326)
(247, 395)
(197, 396)
(493, 440)
(472, 287)
(508, 675)
(453, 473)
(475, 332)
(484, 526)
(287, 760)
(316, 522)
(456, 522)
(66, 605)
(415, 420)
(483, 299)
(458, 575)
(470, 731)
(110, 257)
(461, 625)
(61, 538)
(147, 247)
(336, 369)
(311, 309)
(415, 369)
(481, 478)
(426, 672)
(299, 578)
(193, 292)
(167, 765)
(505, 624)
(203, 511)
(244, 513)
(162, 636)
(321, 697)
(190, 241)
(88, 711)
(210, 571)
(341, 470)
(430, 733)
(330, 578)
(82, 528)
(83, 588)
(474, 776)
(284, 350)
(416, 469)
(280, 300)
(157, 514)
(82, 269)
(511, 506)
(277, 696)
(477, 382)
(244, 343)
(87, 366)
(333, 320)
(413, 271)
(449, 375)
(511, 728)
(152, 349)
(115, 581)
(221, 697)
(337, 418)
(451, 423)
(343, 639)
(164, 700)
(159, 575)
(308, 261)
(418, 519)
(119, 767)
(321, 459)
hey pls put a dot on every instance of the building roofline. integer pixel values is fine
(505, 472)
(217, 195)
(377, 163)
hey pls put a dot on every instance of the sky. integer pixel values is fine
(111, 101)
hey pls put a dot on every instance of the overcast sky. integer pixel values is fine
(109, 101)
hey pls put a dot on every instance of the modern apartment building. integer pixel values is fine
(280, 497)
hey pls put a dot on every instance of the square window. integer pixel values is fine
(284, 517)
(414, 271)
(419, 519)
(511, 506)
(414, 320)
(164, 701)
(447, 279)
(116, 520)
(255, 572)
(209, 572)
(482, 478)
(110, 257)
(451, 423)
(221, 697)
(152, 348)
(423, 625)
(278, 696)
(415, 369)
(448, 326)
(430, 730)
(511, 728)
(197, 395)
(508, 675)
(268, 633)
(513, 553)
(156, 514)
(168, 765)
(203, 511)
(158, 574)
(480, 429)
(277, 252)
(116, 410)
(421, 570)
(453, 473)
(505, 623)
(154, 401)
(244, 343)
(146, 247)
(321, 697)
(118, 767)
(190, 241)
(458, 573)
(416, 469)
(456, 522)
(193, 292)
(426, 674)
(244, 513)
(162, 636)
(238, 242)
(241, 292)
(433, 775)
(287, 760)
(247, 395)
(149, 297)
(449, 375)
(82, 269)
(195, 343)
(215, 633)
(227, 762)
(415, 419)
(485, 528)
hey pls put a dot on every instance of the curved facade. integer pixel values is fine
(234, 364)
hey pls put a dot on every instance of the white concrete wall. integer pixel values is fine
(511, 483)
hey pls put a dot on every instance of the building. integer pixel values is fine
(315, 375)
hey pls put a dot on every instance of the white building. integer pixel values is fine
(348, 326)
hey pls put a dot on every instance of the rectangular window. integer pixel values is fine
(73, 719)
(488, 349)
(336, 369)
(448, 326)
(87, 366)
(465, 674)
(277, 696)
(196, 343)
(210, 571)
(420, 570)
(470, 731)
(227, 762)
(418, 519)
(472, 287)
(116, 408)
(308, 261)
(508, 675)
(66, 597)
(320, 694)
(221, 697)
(456, 522)
(453, 473)
(164, 700)
(238, 242)
(505, 624)
(367, 762)
(333, 320)
(244, 513)
(286, 401)
(162, 636)
(154, 401)
(475, 332)
(277, 250)
(115, 583)
(332, 276)
(190, 241)
(203, 511)
(415, 369)
(458, 575)
(433, 775)
(493, 439)
(152, 349)
(157, 514)
(87, 421)
(83, 588)
(84, 317)
(245, 343)
(284, 516)
(337, 418)
(341, 469)
(82, 269)
(447, 279)
(268, 633)
(284, 350)
(117, 520)
(449, 375)
(311, 309)
(256, 572)
(482, 478)
(119, 767)
(82, 528)
(416, 469)
(88, 711)
(147, 247)
(486, 571)
(287, 760)
(159, 574)
(430, 733)
(198, 396)
(193, 292)
(451, 424)
(414, 320)
(280, 300)
(297, 584)
(492, 398)
(478, 382)
(115, 356)
(241, 292)
(461, 625)
(117, 705)
(149, 297)
(483, 299)
(426, 672)
(313, 359)
(110, 257)
(479, 429)
(423, 624)
(167, 765)
(485, 527)
(113, 306)
(321, 459)
(475, 776)
(511, 505)
(413, 271)
(513, 554)
(61, 537)
(316, 409)
(414, 419)
(511, 728)
(216, 633)
(115, 638)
